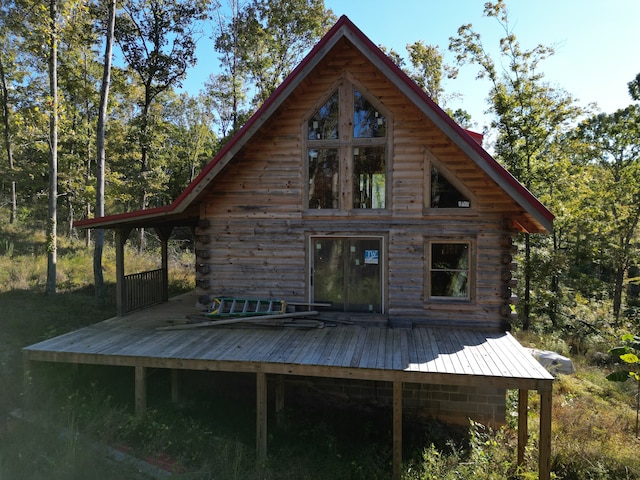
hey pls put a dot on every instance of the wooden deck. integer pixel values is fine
(418, 355)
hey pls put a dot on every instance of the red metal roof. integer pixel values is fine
(469, 142)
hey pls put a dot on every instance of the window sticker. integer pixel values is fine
(371, 257)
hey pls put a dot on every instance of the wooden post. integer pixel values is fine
(26, 380)
(544, 458)
(175, 393)
(261, 416)
(121, 297)
(523, 424)
(397, 430)
(140, 390)
(279, 397)
(165, 233)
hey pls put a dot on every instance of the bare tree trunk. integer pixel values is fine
(52, 223)
(100, 147)
(6, 120)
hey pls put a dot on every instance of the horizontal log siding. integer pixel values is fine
(258, 228)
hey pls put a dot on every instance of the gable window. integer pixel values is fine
(347, 153)
(444, 194)
(449, 266)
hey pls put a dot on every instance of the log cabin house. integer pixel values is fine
(352, 189)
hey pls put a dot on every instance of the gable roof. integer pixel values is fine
(183, 209)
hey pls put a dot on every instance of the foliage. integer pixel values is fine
(628, 353)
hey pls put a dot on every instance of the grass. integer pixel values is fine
(210, 434)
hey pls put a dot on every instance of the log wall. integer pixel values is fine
(258, 227)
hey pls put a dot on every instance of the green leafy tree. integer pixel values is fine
(8, 54)
(530, 116)
(428, 69)
(611, 143)
(190, 133)
(261, 44)
(158, 40)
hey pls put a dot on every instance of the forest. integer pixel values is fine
(94, 122)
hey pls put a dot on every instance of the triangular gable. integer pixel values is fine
(539, 218)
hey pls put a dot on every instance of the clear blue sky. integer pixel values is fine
(597, 42)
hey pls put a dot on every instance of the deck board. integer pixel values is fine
(420, 354)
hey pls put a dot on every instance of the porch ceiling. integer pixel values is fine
(418, 355)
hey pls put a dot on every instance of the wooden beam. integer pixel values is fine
(523, 425)
(261, 416)
(544, 454)
(397, 430)
(140, 390)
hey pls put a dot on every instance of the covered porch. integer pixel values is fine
(419, 355)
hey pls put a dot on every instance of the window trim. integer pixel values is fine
(345, 143)
(472, 265)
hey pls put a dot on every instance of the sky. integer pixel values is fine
(596, 43)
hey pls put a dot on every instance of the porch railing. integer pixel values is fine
(143, 289)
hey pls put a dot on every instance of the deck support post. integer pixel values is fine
(279, 397)
(26, 380)
(261, 416)
(175, 393)
(544, 454)
(164, 233)
(523, 425)
(397, 430)
(140, 390)
(121, 238)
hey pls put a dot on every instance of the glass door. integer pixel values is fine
(346, 272)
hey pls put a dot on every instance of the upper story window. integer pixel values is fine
(444, 191)
(347, 137)
(444, 194)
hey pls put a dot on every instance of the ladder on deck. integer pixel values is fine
(238, 307)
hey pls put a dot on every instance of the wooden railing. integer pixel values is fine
(143, 289)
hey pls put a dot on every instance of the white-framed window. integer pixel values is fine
(450, 265)
(347, 166)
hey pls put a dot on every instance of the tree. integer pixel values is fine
(612, 143)
(100, 149)
(428, 67)
(529, 114)
(157, 39)
(279, 33)
(52, 220)
(228, 89)
(7, 52)
(190, 133)
(259, 46)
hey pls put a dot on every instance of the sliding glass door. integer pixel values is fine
(347, 273)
